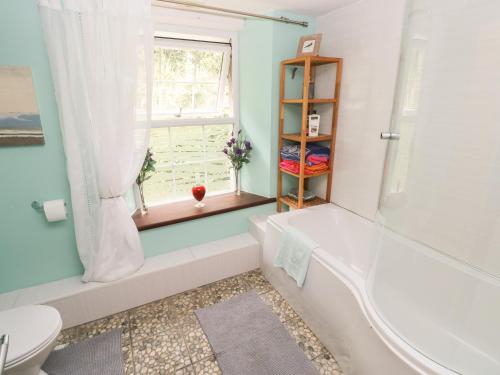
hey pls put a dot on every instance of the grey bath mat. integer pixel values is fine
(100, 355)
(248, 339)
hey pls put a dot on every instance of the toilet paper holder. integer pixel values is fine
(37, 206)
(53, 211)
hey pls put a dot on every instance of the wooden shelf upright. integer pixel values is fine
(308, 62)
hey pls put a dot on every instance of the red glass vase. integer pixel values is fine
(198, 194)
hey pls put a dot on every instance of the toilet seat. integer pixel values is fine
(30, 329)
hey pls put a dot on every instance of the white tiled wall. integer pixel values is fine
(367, 35)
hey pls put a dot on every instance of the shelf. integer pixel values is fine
(305, 175)
(296, 137)
(315, 60)
(293, 203)
(330, 100)
(178, 212)
(310, 101)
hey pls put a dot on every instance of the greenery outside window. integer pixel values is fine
(192, 118)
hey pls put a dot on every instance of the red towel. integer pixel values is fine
(290, 166)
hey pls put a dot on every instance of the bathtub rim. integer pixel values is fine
(356, 285)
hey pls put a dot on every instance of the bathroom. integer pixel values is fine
(170, 181)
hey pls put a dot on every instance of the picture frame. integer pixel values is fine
(309, 45)
(20, 123)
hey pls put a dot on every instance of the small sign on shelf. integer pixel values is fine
(309, 45)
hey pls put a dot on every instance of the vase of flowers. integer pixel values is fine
(238, 152)
(147, 171)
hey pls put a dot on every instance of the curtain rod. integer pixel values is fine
(192, 40)
(237, 12)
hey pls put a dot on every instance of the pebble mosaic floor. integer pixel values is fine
(164, 337)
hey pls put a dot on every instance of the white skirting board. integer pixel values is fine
(160, 277)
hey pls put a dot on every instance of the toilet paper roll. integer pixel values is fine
(55, 210)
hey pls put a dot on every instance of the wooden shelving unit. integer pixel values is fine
(296, 137)
(310, 101)
(308, 62)
(293, 203)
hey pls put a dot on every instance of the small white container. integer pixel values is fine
(314, 125)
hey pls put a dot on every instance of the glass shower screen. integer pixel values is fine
(436, 277)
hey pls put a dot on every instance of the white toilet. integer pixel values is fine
(32, 331)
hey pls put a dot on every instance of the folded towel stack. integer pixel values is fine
(294, 167)
(317, 158)
(291, 152)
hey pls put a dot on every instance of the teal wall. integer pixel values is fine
(32, 251)
(263, 45)
(162, 240)
(255, 65)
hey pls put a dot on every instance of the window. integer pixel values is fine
(192, 113)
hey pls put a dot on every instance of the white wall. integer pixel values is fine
(367, 34)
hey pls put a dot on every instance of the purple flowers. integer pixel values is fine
(232, 141)
(238, 150)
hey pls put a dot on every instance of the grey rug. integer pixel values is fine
(99, 355)
(248, 339)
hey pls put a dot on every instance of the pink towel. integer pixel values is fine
(290, 166)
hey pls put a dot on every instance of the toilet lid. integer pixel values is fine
(29, 328)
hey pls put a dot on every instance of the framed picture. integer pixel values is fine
(19, 118)
(309, 45)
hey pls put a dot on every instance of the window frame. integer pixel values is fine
(207, 37)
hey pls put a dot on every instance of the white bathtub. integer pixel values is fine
(403, 309)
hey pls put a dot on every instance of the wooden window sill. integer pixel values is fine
(178, 212)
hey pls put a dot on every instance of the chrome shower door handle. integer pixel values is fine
(388, 136)
(4, 346)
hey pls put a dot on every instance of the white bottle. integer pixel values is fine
(314, 124)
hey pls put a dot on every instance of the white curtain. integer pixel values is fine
(100, 53)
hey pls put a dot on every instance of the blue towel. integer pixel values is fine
(294, 254)
(292, 151)
(315, 149)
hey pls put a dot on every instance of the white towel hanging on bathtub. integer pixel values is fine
(294, 254)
